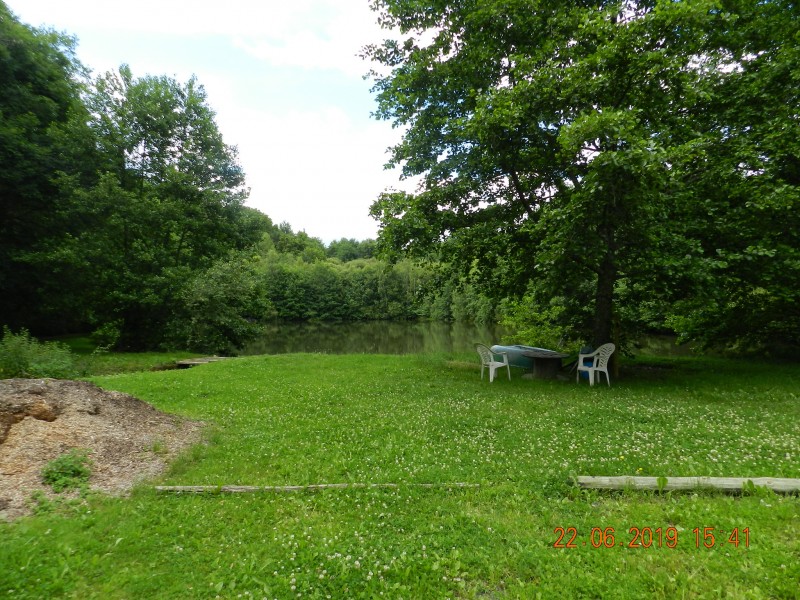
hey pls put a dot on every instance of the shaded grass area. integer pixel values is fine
(91, 361)
(307, 419)
(129, 362)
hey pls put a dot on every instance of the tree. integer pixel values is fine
(300, 243)
(351, 249)
(167, 203)
(745, 176)
(221, 308)
(42, 131)
(159, 136)
(550, 137)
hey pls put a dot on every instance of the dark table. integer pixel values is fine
(546, 363)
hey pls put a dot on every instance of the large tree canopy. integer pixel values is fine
(743, 187)
(114, 193)
(42, 130)
(168, 201)
(556, 142)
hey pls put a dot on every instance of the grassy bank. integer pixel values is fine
(309, 419)
(90, 361)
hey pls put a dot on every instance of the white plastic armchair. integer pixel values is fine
(489, 359)
(599, 363)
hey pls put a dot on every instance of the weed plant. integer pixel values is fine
(70, 470)
(24, 356)
(407, 420)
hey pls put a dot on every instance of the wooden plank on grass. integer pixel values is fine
(193, 362)
(724, 484)
(239, 489)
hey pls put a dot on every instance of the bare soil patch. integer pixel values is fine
(41, 419)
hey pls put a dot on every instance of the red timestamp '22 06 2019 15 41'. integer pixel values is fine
(651, 537)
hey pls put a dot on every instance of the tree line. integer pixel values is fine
(589, 172)
(225, 306)
(122, 213)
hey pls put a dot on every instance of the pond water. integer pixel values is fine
(405, 337)
(374, 337)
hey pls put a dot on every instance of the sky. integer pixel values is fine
(284, 80)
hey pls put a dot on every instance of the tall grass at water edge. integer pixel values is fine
(310, 419)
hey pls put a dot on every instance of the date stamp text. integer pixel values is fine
(651, 537)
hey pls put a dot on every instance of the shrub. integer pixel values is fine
(70, 470)
(221, 308)
(537, 325)
(107, 336)
(24, 356)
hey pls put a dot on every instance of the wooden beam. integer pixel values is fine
(239, 489)
(725, 484)
(193, 362)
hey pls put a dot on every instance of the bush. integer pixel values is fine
(107, 336)
(221, 308)
(24, 356)
(70, 470)
(537, 325)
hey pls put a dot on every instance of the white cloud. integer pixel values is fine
(301, 33)
(335, 45)
(320, 170)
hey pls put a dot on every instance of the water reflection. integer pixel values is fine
(373, 337)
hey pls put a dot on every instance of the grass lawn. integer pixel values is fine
(309, 419)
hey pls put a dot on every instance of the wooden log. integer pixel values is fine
(193, 362)
(239, 489)
(724, 484)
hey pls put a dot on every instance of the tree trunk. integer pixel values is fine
(604, 300)
(603, 326)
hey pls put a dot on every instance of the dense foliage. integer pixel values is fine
(742, 186)
(115, 191)
(42, 131)
(24, 356)
(613, 165)
(122, 213)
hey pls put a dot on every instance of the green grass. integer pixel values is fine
(107, 363)
(89, 361)
(306, 419)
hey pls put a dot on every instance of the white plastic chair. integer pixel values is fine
(488, 360)
(599, 363)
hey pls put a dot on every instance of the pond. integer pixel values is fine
(374, 337)
(406, 337)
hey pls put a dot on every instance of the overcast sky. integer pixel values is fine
(284, 80)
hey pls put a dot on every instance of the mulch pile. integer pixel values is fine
(41, 419)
